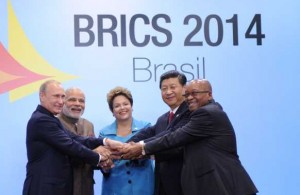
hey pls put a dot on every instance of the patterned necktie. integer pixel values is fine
(171, 116)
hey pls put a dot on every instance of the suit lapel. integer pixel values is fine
(182, 109)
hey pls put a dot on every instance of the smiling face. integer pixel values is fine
(171, 92)
(52, 97)
(122, 108)
(74, 103)
(198, 93)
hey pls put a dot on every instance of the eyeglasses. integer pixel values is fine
(194, 93)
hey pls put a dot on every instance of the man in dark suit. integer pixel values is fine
(211, 163)
(49, 147)
(168, 164)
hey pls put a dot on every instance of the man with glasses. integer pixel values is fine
(168, 164)
(211, 163)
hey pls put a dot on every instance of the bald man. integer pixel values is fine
(211, 163)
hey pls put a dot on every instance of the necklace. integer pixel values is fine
(123, 133)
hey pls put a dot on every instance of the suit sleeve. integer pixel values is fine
(143, 134)
(90, 142)
(199, 127)
(51, 131)
(174, 153)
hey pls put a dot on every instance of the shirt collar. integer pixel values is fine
(112, 129)
(174, 110)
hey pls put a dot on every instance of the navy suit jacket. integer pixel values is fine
(168, 164)
(49, 147)
(211, 163)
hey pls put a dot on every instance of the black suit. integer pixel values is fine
(168, 164)
(49, 147)
(211, 164)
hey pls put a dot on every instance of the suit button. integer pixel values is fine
(129, 181)
(128, 172)
(127, 164)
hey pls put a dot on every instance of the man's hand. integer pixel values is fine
(106, 165)
(104, 152)
(113, 144)
(132, 151)
(106, 162)
(115, 148)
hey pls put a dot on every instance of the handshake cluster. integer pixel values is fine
(115, 150)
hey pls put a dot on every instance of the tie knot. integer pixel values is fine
(171, 116)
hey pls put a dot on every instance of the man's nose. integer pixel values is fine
(169, 91)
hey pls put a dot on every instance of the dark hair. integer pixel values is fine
(116, 92)
(173, 74)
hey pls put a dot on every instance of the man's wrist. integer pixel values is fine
(99, 161)
(105, 141)
(143, 147)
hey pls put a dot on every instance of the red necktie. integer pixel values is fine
(171, 116)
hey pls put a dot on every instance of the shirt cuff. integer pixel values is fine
(104, 141)
(99, 160)
(143, 147)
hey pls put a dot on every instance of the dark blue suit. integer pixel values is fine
(168, 164)
(49, 147)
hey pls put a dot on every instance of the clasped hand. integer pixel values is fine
(117, 150)
(131, 151)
